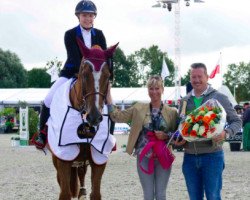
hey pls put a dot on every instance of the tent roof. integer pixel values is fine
(130, 95)
(32, 96)
(35, 96)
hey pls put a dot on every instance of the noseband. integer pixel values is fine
(83, 106)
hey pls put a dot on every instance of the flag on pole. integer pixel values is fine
(53, 72)
(217, 69)
(164, 70)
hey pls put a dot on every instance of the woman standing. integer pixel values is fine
(150, 124)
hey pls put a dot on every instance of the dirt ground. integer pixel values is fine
(28, 174)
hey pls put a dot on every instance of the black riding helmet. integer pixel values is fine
(85, 6)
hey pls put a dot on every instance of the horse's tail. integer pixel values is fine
(74, 187)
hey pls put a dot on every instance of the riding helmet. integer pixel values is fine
(85, 6)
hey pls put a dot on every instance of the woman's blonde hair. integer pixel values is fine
(155, 80)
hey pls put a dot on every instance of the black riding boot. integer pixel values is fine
(42, 136)
(111, 131)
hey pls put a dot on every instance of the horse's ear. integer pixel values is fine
(84, 50)
(110, 51)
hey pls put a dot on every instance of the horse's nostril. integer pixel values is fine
(94, 121)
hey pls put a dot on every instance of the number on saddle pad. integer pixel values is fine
(84, 130)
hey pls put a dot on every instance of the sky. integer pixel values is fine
(34, 29)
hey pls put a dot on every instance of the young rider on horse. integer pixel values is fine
(86, 12)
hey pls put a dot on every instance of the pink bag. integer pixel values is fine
(160, 151)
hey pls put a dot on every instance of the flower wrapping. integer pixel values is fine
(204, 122)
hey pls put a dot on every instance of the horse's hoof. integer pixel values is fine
(83, 197)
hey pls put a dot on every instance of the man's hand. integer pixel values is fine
(220, 138)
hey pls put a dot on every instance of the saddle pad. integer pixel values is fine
(62, 126)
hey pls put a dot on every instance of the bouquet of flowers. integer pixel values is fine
(204, 122)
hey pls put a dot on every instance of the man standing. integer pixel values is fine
(203, 162)
(246, 127)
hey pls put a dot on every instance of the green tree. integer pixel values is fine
(38, 78)
(125, 72)
(8, 112)
(33, 122)
(238, 76)
(149, 62)
(52, 63)
(186, 78)
(12, 72)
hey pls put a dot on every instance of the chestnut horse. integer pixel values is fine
(87, 96)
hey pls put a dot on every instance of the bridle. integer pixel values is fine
(82, 106)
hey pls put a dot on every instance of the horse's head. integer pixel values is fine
(94, 77)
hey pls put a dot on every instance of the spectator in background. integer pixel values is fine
(246, 106)
(189, 87)
(246, 127)
(9, 124)
(239, 110)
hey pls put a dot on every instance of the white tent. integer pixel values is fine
(32, 96)
(225, 90)
(130, 95)
(35, 96)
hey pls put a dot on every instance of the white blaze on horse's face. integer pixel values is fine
(94, 87)
(97, 76)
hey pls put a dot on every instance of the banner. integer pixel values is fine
(216, 70)
(164, 70)
(24, 123)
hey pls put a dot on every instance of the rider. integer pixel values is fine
(86, 12)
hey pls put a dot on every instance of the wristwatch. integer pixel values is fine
(227, 135)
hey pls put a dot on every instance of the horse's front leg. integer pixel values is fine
(63, 174)
(96, 177)
(81, 174)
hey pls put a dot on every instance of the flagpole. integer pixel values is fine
(222, 68)
(164, 72)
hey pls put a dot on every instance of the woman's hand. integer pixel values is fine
(161, 135)
(179, 142)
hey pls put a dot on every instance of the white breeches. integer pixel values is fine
(57, 84)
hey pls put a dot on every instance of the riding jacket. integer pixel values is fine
(74, 56)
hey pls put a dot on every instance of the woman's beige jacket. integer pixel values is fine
(138, 115)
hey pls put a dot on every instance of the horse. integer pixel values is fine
(87, 96)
